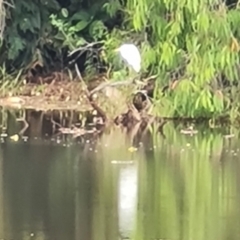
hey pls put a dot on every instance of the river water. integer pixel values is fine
(119, 185)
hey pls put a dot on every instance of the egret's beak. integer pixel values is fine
(116, 50)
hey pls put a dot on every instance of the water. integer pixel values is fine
(174, 186)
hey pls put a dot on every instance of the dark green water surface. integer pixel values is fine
(174, 186)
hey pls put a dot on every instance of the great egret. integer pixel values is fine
(131, 55)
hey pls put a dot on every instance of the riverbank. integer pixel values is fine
(100, 97)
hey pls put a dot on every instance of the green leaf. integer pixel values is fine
(26, 25)
(203, 22)
(81, 15)
(80, 42)
(97, 29)
(64, 12)
(111, 7)
(79, 26)
(51, 5)
(16, 46)
(29, 6)
(59, 36)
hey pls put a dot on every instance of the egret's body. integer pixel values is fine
(131, 55)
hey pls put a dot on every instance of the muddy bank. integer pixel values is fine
(110, 101)
(107, 102)
(59, 95)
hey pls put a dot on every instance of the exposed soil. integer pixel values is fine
(50, 91)
(59, 95)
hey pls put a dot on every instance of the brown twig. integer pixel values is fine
(89, 95)
(89, 45)
(109, 84)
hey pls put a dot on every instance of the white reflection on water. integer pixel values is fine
(127, 193)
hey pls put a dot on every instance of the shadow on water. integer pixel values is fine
(174, 186)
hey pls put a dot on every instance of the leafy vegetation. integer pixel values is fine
(194, 43)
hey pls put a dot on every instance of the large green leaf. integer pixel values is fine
(15, 47)
(81, 15)
(79, 26)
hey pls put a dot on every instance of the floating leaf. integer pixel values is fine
(132, 149)
(15, 138)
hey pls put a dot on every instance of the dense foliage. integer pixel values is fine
(192, 41)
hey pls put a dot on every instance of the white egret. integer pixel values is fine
(131, 55)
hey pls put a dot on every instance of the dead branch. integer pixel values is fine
(109, 84)
(89, 45)
(94, 105)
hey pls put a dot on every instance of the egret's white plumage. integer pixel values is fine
(131, 55)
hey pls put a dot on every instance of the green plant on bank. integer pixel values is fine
(199, 38)
(10, 84)
(193, 42)
(38, 30)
